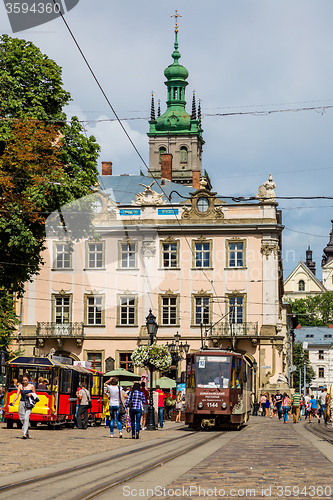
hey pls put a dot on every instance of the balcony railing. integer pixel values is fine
(51, 329)
(236, 329)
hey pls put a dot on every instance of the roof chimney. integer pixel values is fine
(106, 167)
(196, 179)
(166, 166)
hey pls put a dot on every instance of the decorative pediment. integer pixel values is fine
(148, 196)
(104, 208)
(203, 205)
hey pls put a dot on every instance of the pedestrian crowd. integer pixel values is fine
(128, 408)
(298, 406)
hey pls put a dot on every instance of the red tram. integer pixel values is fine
(57, 396)
(218, 389)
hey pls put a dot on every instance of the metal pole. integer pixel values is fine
(300, 380)
(304, 378)
(151, 414)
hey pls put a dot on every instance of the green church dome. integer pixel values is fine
(175, 120)
(176, 71)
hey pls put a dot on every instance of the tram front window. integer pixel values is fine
(213, 371)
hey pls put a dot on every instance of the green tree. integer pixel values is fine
(9, 320)
(299, 358)
(316, 310)
(46, 162)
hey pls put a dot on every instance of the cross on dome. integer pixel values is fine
(176, 15)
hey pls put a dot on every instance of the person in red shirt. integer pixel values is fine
(145, 406)
(161, 398)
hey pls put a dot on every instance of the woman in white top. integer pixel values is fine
(26, 389)
(115, 394)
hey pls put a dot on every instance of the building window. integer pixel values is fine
(62, 308)
(321, 372)
(62, 256)
(170, 252)
(301, 286)
(127, 311)
(127, 255)
(320, 354)
(327, 336)
(202, 254)
(236, 309)
(94, 310)
(95, 359)
(95, 255)
(125, 361)
(236, 254)
(309, 336)
(169, 310)
(202, 312)
(183, 154)
(161, 151)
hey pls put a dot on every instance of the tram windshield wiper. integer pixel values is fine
(209, 375)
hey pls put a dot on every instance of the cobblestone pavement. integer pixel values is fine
(266, 460)
(48, 447)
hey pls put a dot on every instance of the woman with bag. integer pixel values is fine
(134, 404)
(116, 403)
(26, 389)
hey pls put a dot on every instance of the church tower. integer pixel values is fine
(175, 131)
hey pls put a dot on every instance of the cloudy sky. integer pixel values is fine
(243, 56)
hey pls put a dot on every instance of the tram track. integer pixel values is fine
(108, 485)
(101, 476)
(318, 433)
(93, 463)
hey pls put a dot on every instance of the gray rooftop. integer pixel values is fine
(122, 188)
(316, 335)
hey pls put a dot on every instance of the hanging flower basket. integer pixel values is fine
(152, 356)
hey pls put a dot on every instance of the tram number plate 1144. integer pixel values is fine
(210, 405)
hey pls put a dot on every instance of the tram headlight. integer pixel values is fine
(200, 405)
(224, 406)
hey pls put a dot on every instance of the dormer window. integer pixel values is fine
(301, 286)
(183, 154)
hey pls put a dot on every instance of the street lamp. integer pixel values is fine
(176, 349)
(152, 328)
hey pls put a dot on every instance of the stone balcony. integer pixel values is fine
(60, 332)
(234, 330)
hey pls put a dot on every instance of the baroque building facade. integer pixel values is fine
(208, 268)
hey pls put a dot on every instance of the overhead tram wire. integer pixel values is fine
(129, 138)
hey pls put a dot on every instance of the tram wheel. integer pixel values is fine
(33, 425)
(10, 424)
(19, 425)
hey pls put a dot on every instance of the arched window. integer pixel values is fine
(161, 151)
(301, 286)
(183, 154)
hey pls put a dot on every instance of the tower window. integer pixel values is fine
(161, 151)
(175, 93)
(183, 154)
(301, 286)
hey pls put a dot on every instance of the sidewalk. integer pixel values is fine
(48, 447)
(266, 460)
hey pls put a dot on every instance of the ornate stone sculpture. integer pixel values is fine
(149, 196)
(148, 248)
(266, 191)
